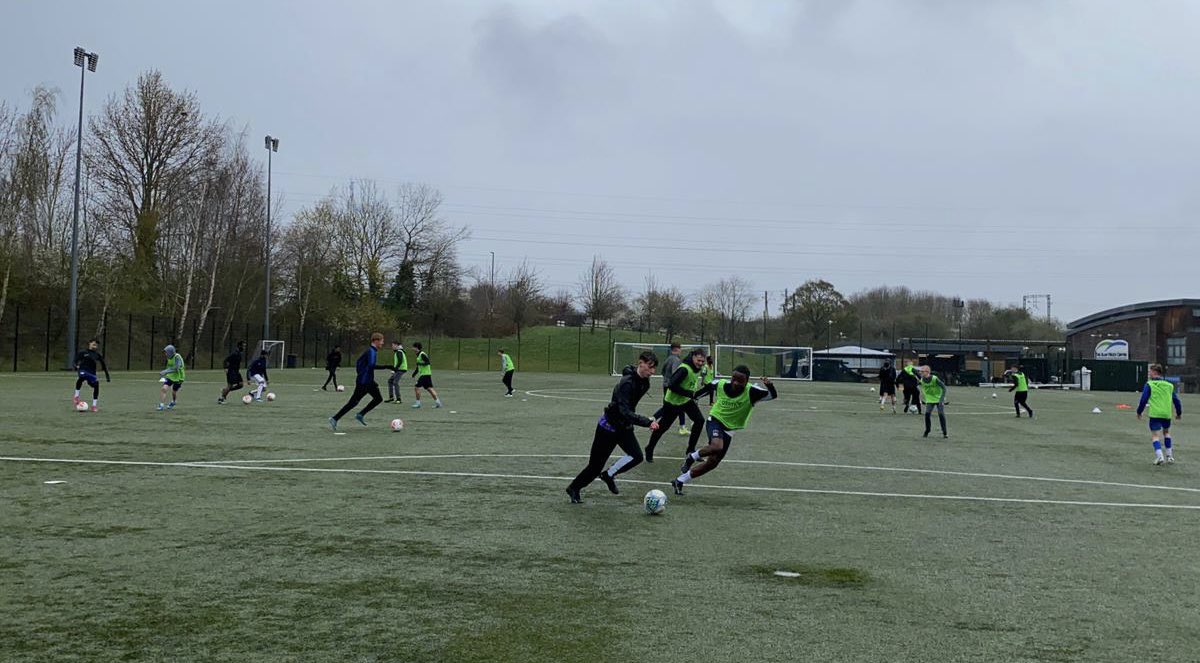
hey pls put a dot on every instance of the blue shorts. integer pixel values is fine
(1157, 424)
(172, 384)
(90, 378)
(717, 429)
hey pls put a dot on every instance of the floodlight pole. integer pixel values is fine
(85, 61)
(272, 145)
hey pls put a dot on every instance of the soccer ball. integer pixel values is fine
(81, 406)
(270, 395)
(397, 424)
(912, 408)
(341, 388)
(655, 502)
(247, 399)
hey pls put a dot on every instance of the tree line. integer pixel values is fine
(173, 223)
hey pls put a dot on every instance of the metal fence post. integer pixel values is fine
(48, 311)
(16, 337)
(152, 330)
(547, 353)
(579, 351)
(129, 341)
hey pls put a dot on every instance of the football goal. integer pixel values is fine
(277, 350)
(626, 354)
(776, 362)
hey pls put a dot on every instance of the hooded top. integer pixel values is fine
(621, 411)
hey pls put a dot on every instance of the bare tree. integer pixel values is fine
(144, 148)
(600, 296)
(522, 295)
(733, 300)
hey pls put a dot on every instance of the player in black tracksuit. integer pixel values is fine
(332, 361)
(615, 428)
(233, 371)
(887, 386)
(85, 365)
(912, 389)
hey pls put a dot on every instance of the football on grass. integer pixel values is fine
(81, 406)
(655, 502)
(397, 424)
(341, 388)
(247, 399)
(270, 395)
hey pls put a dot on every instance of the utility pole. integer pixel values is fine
(86, 62)
(766, 307)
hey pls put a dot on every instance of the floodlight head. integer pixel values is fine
(79, 56)
(93, 58)
(271, 144)
(267, 142)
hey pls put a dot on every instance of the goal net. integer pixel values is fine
(626, 354)
(774, 361)
(277, 350)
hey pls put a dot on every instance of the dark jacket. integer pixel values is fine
(887, 376)
(621, 411)
(333, 360)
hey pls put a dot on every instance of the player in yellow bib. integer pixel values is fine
(1159, 395)
(399, 368)
(1020, 389)
(933, 395)
(507, 368)
(735, 401)
(680, 399)
(424, 374)
(172, 378)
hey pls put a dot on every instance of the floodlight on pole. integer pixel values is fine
(86, 62)
(272, 145)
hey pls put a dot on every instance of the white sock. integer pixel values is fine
(438, 401)
(616, 467)
(685, 477)
(76, 393)
(95, 402)
(695, 455)
(1158, 453)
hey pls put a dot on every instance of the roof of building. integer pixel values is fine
(1128, 312)
(852, 351)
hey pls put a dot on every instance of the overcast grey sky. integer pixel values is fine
(978, 148)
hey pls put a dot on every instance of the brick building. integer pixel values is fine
(1166, 332)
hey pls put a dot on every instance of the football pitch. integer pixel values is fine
(237, 533)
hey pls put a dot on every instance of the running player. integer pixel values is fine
(679, 400)
(1021, 388)
(332, 361)
(933, 394)
(708, 375)
(507, 368)
(887, 386)
(85, 365)
(233, 371)
(424, 369)
(1160, 396)
(399, 368)
(364, 383)
(731, 412)
(615, 428)
(911, 384)
(172, 378)
(257, 374)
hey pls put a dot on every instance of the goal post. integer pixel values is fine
(626, 354)
(778, 362)
(277, 350)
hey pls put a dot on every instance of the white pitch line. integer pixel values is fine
(538, 477)
(781, 463)
(866, 407)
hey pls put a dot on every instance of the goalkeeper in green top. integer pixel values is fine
(933, 394)
(1160, 396)
(424, 374)
(507, 368)
(1021, 388)
(399, 368)
(736, 399)
(172, 378)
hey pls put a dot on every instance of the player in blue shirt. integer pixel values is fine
(257, 372)
(85, 364)
(364, 383)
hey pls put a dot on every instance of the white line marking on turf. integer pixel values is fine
(782, 463)
(865, 409)
(538, 477)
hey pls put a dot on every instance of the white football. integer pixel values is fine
(270, 395)
(397, 424)
(341, 388)
(81, 406)
(993, 394)
(655, 502)
(247, 399)
(912, 408)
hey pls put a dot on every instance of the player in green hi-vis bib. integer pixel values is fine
(933, 394)
(507, 368)
(172, 378)
(910, 382)
(708, 375)
(679, 400)
(735, 401)
(1160, 396)
(1021, 388)
(399, 368)
(424, 374)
